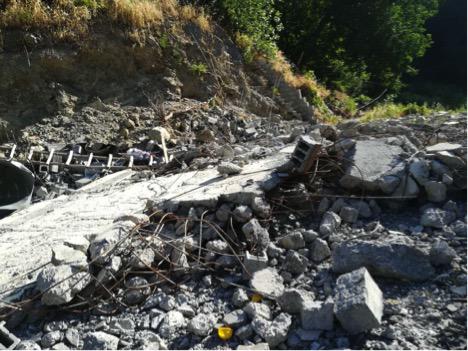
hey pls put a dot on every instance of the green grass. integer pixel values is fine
(391, 110)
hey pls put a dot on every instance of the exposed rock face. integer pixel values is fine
(370, 161)
(393, 257)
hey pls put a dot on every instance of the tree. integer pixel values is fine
(357, 46)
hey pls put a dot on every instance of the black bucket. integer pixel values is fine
(16, 186)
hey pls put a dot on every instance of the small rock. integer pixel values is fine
(257, 310)
(60, 284)
(242, 214)
(436, 191)
(419, 169)
(235, 318)
(349, 214)
(240, 297)
(259, 346)
(50, 339)
(310, 235)
(295, 263)
(267, 282)
(100, 341)
(441, 253)
(330, 222)
(136, 291)
(319, 250)
(437, 218)
(273, 332)
(256, 235)
(292, 300)
(228, 168)
(27, 345)
(60, 346)
(201, 325)
(449, 159)
(245, 332)
(292, 241)
(142, 258)
(260, 207)
(317, 315)
(223, 213)
(173, 321)
(73, 337)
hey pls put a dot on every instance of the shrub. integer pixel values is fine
(198, 68)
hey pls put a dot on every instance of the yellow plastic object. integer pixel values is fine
(256, 298)
(225, 333)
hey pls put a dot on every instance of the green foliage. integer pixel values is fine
(164, 41)
(256, 19)
(356, 46)
(341, 103)
(198, 68)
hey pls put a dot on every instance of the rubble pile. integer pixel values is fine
(355, 237)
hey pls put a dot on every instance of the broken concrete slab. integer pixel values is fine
(92, 209)
(443, 147)
(370, 161)
(358, 301)
(392, 257)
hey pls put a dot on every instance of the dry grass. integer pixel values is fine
(25, 14)
(280, 65)
(192, 14)
(65, 17)
(135, 14)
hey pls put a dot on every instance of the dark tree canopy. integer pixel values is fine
(358, 46)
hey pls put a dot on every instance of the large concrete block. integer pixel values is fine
(392, 257)
(370, 161)
(358, 301)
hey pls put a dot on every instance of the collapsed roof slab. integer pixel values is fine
(27, 236)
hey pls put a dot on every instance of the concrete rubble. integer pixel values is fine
(358, 301)
(242, 248)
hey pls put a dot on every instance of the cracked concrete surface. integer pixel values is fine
(27, 236)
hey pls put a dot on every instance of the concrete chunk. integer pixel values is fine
(267, 282)
(330, 222)
(371, 160)
(253, 263)
(60, 284)
(292, 300)
(317, 315)
(358, 301)
(393, 257)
